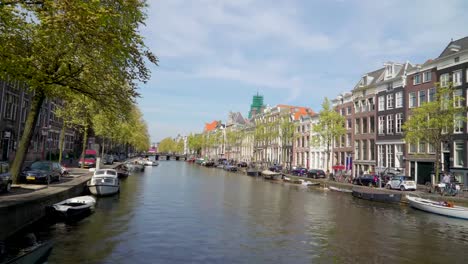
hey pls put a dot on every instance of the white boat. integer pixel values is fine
(38, 253)
(104, 182)
(73, 209)
(440, 208)
(267, 174)
(151, 163)
(308, 183)
(336, 189)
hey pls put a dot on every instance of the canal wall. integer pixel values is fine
(20, 210)
(460, 199)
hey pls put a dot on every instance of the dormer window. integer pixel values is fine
(389, 71)
(417, 79)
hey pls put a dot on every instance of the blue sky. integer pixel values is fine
(215, 55)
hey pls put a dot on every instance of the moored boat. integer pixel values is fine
(36, 254)
(73, 209)
(230, 168)
(104, 182)
(134, 166)
(336, 189)
(270, 175)
(440, 208)
(376, 195)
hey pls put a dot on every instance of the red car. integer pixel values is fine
(89, 159)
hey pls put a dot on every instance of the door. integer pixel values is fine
(5, 146)
(424, 172)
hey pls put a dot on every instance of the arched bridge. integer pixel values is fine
(168, 156)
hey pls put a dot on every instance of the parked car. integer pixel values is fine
(5, 177)
(367, 180)
(42, 172)
(276, 168)
(89, 159)
(108, 159)
(313, 173)
(401, 183)
(299, 171)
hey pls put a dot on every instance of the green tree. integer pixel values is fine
(167, 145)
(331, 125)
(434, 122)
(63, 48)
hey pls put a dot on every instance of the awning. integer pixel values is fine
(339, 167)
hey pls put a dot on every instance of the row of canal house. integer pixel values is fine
(14, 107)
(377, 107)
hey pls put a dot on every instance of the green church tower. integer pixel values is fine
(257, 105)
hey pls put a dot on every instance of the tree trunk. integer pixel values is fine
(103, 146)
(31, 120)
(85, 144)
(61, 142)
(437, 164)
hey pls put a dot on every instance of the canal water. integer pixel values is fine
(183, 213)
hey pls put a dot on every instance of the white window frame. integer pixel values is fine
(381, 153)
(419, 97)
(457, 78)
(417, 79)
(390, 158)
(459, 93)
(412, 103)
(399, 99)
(458, 126)
(427, 76)
(398, 122)
(381, 125)
(390, 124)
(390, 101)
(429, 93)
(455, 154)
(381, 103)
(444, 79)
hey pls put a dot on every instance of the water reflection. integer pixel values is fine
(179, 213)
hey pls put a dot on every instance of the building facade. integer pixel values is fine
(343, 147)
(390, 118)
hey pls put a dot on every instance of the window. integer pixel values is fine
(398, 122)
(398, 156)
(380, 150)
(348, 110)
(372, 149)
(356, 149)
(389, 101)
(348, 124)
(417, 79)
(390, 158)
(10, 106)
(422, 97)
(24, 110)
(364, 150)
(431, 94)
(381, 103)
(444, 79)
(390, 124)
(427, 76)
(381, 124)
(457, 97)
(412, 99)
(364, 125)
(348, 140)
(459, 154)
(357, 126)
(412, 148)
(431, 148)
(422, 147)
(457, 78)
(399, 100)
(372, 124)
(458, 123)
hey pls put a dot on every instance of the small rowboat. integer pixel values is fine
(336, 189)
(73, 209)
(308, 183)
(440, 208)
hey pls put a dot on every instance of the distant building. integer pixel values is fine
(257, 105)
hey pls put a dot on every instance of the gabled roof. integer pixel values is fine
(372, 78)
(460, 44)
(211, 126)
